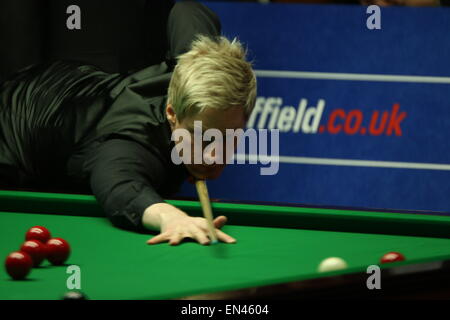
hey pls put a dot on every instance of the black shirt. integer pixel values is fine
(72, 126)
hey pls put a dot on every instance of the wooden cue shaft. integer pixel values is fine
(202, 191)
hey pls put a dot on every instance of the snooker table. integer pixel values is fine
(277, 254)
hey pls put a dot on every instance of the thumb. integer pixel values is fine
(220, 221)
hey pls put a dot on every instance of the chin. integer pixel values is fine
(205, 175)
(214, 175)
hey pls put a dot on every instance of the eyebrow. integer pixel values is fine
(191, 127)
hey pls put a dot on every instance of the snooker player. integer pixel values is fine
(71, 126)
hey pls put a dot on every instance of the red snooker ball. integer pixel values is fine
(38, 233)
(18, 264)
(36, 250)
(392, 257)
(58, 250)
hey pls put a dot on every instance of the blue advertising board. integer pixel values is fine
(364, 115)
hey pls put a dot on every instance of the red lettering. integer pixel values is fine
(394, 121)
(354, 114)
(332, 128)
(374, 131)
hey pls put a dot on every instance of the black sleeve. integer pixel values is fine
(124, 177)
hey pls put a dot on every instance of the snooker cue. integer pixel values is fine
(202, 191)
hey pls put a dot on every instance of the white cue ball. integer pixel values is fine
(332, 264)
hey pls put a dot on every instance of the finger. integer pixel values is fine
(220, 221)
(200, 236)
(222, 236)
(176, 238)
(163, 237)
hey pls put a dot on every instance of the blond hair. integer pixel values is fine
(214, 73)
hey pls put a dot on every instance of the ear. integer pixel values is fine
(171, 115)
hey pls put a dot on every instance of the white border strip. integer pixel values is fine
(350, 76)
(343, 162)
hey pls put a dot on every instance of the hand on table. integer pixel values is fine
(175, 225)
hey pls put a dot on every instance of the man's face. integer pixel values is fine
(231, 118)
